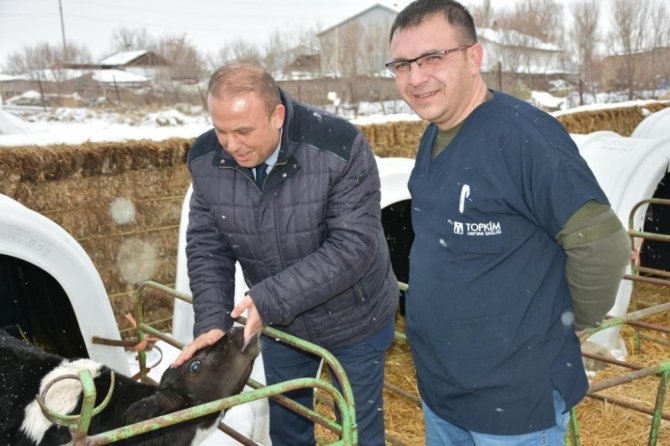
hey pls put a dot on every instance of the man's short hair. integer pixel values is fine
(233, 80)
(454, 13)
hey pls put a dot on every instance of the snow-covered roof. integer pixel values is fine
(13, 77)
(57, 75)
(118, 76)
(509, 37)
(99, 75)
(123, 58)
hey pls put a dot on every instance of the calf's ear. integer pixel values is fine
(149, 407)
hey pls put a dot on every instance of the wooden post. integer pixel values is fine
(39, 84)
(116, 90)
(499, 76)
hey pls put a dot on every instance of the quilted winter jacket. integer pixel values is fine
(311, 244)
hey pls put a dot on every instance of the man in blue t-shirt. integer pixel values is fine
(515, 247)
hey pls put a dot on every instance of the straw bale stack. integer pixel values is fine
(398, 139)
(621, 120)
(120, 201)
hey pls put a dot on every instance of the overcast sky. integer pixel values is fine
(207, 23)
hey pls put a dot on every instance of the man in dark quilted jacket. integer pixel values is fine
(292, 193)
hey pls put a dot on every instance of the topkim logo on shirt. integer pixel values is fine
(474, 229)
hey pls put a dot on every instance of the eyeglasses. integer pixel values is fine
(426, 62)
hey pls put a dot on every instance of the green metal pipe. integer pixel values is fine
(300, 409)
(328, 358)
(654, 271)
(226, 403)
(88, 405)
(285, 401)
(402, 337)
(650, 235)
(625, 404)
(645, 279)
(658, 408)
(634, 316)
(574, 428)
(629, 377)
(402, 393)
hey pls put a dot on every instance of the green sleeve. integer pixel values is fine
(598, 250)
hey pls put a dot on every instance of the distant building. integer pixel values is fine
(300, 62)
(14, 85)
(365, 35)
(141, 62)
(519, 53)
(359, 44)
(304, 66)
(651, 68)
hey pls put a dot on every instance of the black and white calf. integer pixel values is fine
(214, 372)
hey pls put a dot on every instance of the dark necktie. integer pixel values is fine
(261, 173)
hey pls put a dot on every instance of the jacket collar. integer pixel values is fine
(287, 128)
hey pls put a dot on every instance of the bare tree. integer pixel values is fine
(344, 62)
(629, 29)
(185, 62)
(530, 35)
(483, 14)
(585, 38)
(275, 51)
(538, 18)
(238, 50)
(373, 49)
(291, 48)
(127, 39)
(660, 41)
(45, 56)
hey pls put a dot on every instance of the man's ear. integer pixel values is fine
(278, 116)
(475, 57)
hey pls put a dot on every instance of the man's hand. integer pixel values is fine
(254, 322)
(201, 341)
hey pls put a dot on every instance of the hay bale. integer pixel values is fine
(621, 120)
(396, 139)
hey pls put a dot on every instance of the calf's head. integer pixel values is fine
(214, 372)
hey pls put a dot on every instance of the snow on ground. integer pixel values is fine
(12, 125)
(591, 107)
(31, 125)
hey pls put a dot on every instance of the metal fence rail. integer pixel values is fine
(346, 429)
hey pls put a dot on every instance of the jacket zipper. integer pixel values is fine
(276, 212)
(248, 178)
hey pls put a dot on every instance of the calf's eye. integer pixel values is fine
(194, 367)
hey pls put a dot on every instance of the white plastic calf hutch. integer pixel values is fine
(631, 170)
(50, 289)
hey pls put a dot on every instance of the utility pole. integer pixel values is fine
(62, 31)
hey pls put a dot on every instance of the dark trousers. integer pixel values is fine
(364, 366)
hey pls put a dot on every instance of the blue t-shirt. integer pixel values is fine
(488, 308)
